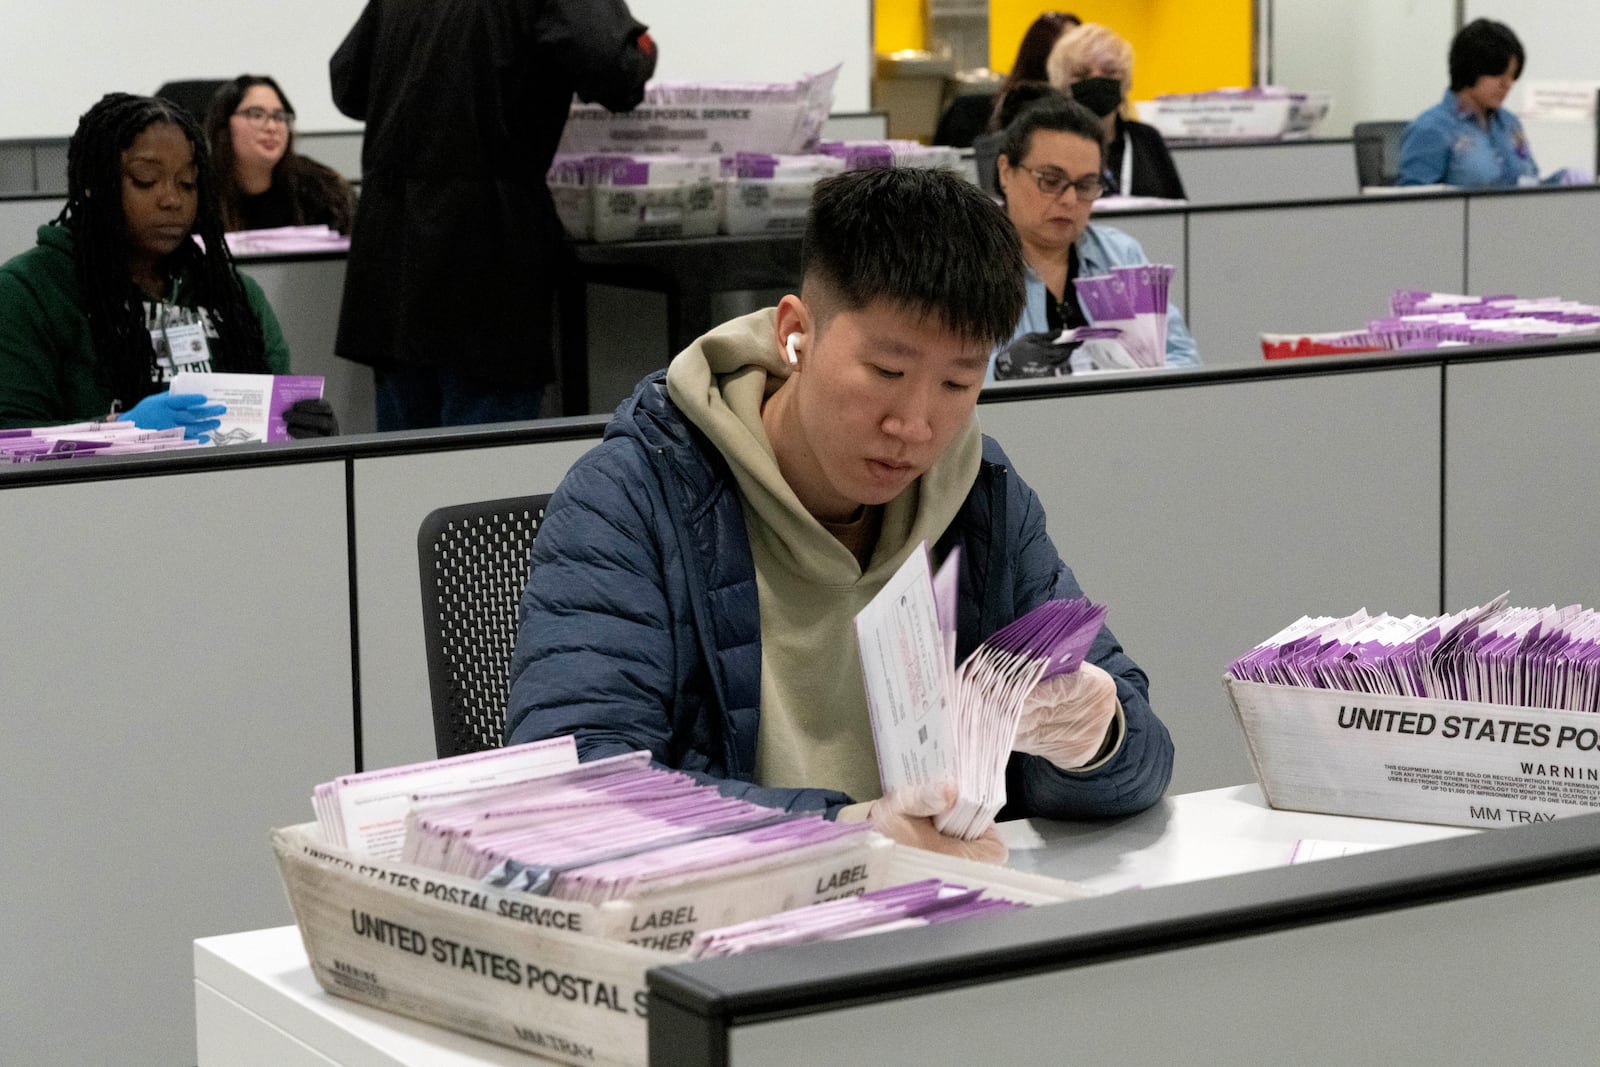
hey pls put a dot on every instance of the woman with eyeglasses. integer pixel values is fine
(1051, 170)
(263, 183)
(1094, 66)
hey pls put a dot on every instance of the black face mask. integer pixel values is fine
(1100, 95)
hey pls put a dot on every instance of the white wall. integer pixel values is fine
(1388, 59)
(57, 57)
(1381, 59)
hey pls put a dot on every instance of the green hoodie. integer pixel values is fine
(814, 726)
(49, 370)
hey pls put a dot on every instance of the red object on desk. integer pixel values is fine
(1292, 346)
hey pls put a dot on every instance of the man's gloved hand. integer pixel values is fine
(906, 815)
(163, 411)
(1065, 718)
(311, 417)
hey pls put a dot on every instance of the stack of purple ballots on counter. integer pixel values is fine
(1421, 320)
(1482, 717)
(85, 439)
(286, 240)
(925, 903)
(1517, 657)
(1133, 302)
(618, 829)
(934, 721)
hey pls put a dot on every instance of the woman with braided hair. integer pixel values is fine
(117, 295)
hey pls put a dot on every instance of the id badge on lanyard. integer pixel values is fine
(180, 346)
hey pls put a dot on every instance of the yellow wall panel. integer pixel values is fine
(1178, 45)
(898, 24)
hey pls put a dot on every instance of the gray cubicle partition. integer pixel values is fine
(1542, 245)
(1295, 268)
(393, 493)
(339, 149)
(1269, 171)
(194, 640)
(1522, 501)
(1209, 513)
(1457, 951)
(305, 293)
(1243, 270)
(175, 664)
(20, 219)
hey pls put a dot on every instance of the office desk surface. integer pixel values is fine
(257, 1004)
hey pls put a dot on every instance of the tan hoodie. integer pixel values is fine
(814, 729)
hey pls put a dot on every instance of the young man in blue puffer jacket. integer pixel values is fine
(696, 576)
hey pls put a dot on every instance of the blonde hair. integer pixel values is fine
(1088, 47)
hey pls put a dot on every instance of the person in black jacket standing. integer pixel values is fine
(449, 294)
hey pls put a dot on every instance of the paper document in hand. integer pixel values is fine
(255, 402)
(916, 695)
(905, 665)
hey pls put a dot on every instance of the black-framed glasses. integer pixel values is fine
(260, 116)
(1053, 183)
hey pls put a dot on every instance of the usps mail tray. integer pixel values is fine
(551, 977)
(1420, 760)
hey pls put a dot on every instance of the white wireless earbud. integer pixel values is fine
(789, 347)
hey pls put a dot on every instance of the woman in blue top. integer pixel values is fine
(1468, 139)
(1051, 170)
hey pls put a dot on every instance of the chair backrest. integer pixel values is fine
(193, 95)
(474, 563)
(1378, 151)
(986, 158)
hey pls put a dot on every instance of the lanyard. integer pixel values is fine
(1125, 184)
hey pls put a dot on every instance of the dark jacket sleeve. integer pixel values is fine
(31, 354)
(350, 69)
(605, 639)
(277, 348)
(1136, 774)
(604, 50)
(1154, 171)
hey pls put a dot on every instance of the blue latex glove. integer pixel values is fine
(163, 411)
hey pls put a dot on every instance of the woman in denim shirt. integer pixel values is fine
(1468, 139)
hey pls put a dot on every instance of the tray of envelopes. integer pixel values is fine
(526, 905)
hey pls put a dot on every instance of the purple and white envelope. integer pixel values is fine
(255, 402)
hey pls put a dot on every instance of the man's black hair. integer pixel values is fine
(1051, 111)
(1483, 47)
(926, 240)
(111, 301)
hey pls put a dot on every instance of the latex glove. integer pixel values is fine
(1065, 718)
(906, 815)
(163, 411)
(311, 417)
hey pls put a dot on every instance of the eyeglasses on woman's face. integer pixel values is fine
(1053, 183)
(260, 117)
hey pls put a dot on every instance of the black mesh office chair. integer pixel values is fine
(473, 560)
(1378, 151)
